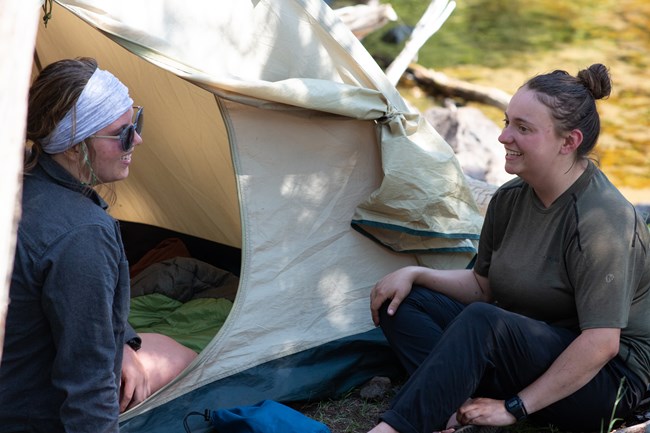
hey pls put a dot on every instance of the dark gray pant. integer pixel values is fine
(453, 352)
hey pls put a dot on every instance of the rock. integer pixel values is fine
(376, 388)
(474, 139)
(482, 192)
(397, 34)
(364, 19)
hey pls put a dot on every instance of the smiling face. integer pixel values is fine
(108, 161)
(531, 142)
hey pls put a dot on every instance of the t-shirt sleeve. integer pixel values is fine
(601, 262)
(486, 241)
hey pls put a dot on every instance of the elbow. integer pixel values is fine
(605, 342)
(611, 346)
(612, 349)
(483, 292)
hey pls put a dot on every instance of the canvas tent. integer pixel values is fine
(17, 32)
(270, 131)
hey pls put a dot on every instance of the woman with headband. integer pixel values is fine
(64, 358)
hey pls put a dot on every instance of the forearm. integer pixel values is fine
(573, 369)
(463, 285)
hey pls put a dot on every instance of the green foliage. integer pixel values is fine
(613, 420)
(500, 43)
(490, 32)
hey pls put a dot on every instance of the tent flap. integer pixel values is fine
(423, 203)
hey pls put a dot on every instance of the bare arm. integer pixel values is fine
(575, 366)
(464, 285)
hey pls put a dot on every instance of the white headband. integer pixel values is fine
(102, 102)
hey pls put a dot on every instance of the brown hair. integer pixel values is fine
(54, 92)
(572, 101)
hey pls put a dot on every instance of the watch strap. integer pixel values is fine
(516, 407)
(135, 343)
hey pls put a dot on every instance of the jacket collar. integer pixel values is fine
(60, 175)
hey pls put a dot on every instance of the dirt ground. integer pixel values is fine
(356, 413)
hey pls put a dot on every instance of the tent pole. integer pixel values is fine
(433, 18)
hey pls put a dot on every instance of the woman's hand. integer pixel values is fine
(484, 411)
(134, 388)
(395, 286)
(463, 285)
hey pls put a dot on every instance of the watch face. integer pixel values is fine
(515, 406)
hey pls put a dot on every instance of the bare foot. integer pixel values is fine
(382, 427)
(452, 424)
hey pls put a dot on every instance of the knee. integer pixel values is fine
(482, 314)
(163, 358)
(480, 309)
(415, 299)
(488, 322)
(386, 321)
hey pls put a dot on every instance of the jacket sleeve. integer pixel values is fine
(87, 314)
(131, 336)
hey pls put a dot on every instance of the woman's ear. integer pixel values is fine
(74, 153)
(75, 161)
(70, 157)
(571, 142)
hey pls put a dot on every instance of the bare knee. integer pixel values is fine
(163, 358)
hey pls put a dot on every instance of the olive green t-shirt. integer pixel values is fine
(581, 263)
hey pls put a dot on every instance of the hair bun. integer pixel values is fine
(597, 80)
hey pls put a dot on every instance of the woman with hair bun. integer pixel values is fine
(552, 322)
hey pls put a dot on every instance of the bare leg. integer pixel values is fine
(163, 358)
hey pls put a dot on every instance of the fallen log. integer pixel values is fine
(363, 19)
(438, 84)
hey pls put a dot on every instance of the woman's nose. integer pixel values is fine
(137, 139)
(505, 136)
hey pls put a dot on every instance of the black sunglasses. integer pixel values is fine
(127, 134)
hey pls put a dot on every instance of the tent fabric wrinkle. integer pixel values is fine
(423, 200)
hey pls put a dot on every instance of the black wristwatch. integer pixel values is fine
(516, 407)
(135, 343)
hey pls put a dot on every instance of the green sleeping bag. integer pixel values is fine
(193, 323)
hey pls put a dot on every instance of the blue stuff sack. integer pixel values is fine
(266, 416)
